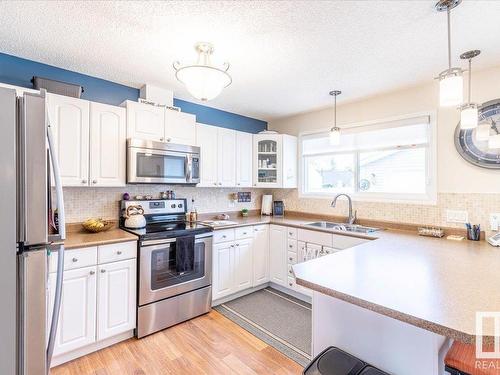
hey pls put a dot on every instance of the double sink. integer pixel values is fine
(343, 227)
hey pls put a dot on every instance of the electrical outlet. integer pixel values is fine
(494, 221)
(457, 216)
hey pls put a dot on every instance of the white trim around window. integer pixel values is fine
(430, 146)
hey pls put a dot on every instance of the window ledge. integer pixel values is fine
(423, 200)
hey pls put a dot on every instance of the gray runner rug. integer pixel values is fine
(280, 320)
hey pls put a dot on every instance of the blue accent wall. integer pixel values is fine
(18, 71)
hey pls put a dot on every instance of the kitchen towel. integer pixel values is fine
(184, 254)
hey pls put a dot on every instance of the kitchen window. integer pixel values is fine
(391, 160)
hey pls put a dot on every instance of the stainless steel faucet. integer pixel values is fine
(352, 218)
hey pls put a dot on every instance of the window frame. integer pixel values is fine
(428, 198)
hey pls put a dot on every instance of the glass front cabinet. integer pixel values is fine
(275, 161)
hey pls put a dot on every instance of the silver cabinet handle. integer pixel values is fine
(244, 233)
(215, 183)
(290, 272)
(74, 260)
(290, 233)
(119, 252)
(94, 182)
(103, 270)
(220, 183)
(290, 246)
(237, 244)
(290, 259)
(84, 181)
(92, 272)
(161, 139)
(224, 236)
(238, 184)
(290, 284)
(169, 139)
(232, 245)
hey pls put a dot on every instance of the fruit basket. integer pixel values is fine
(96, 225)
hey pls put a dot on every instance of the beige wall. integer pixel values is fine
(455, 175)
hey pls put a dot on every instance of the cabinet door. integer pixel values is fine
(116, 298)
(145, 121)
(261, 255)
(289, 161)
(243, 264)
(267, 164)
(180, 128)
(223, 265)
(77, 318)
(107, 145)
(69, 119)
(277, 254)
(226, 165)
(206, 139)
(244, 145)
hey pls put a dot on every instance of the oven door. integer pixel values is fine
(158, 166)
(158, 276)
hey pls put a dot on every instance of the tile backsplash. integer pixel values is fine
(479, 206)
(82, 203)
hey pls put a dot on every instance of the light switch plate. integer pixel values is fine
(494, 221)
(457, 216)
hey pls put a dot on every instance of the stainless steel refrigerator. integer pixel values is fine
(27, 161)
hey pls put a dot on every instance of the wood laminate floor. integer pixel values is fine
(209, 344)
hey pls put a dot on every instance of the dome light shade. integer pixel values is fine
(469, 117)
(203, 80)
(451, 88)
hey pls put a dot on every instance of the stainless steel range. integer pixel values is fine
(175, 265)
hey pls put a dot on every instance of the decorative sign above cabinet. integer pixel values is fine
(481, 145)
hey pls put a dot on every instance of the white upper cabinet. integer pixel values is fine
(275, 161)
(244, 144)
(107, 145)
(116, 298)
(69, 120)
(145, 121)
(206, 139)
(180, 127)
(226, 165)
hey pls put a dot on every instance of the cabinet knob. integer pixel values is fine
(244, 233)
(92, 272)
(215, 183)
(290, 246)
(94, 182)
(290, 284)
(119, 252)
(84, 181)
(290, 259)
(220, 183)
(232, 245)
(103, 270)
(161, 139)
(237, 244)
(238, 184)
(224, 236)
(169, 139)
(290, 272)
(74, 260)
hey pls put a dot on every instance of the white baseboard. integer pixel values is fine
(80, 352)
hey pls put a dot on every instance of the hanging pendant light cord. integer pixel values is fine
(448, 12)
(470, 79)
(335, 111)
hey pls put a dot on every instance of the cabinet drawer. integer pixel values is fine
(117, 251)
(291, 245)
(223, 235)
(291, 232)
(290, 271)
(316, 237)
(241, 233)
(291, 282)
(261, 228)
(291, 258)
(344, 242)
(75, 258)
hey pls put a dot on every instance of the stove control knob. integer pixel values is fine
(173, 205)
(179, 205)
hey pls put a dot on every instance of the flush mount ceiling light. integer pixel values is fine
(203, 80)
(450, 80)
(468, 111)
(335, 130)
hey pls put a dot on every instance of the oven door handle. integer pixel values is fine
(156, 245)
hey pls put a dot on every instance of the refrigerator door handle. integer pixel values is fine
(60, 253)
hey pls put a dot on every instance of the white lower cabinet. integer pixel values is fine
(261, 255)
(98, 298)
(77, 317)
(116, 299)
(277, 254)
(243, 264)
(223, 265)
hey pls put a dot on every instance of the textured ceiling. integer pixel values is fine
(285, 55)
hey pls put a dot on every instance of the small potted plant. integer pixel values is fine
(244, 212)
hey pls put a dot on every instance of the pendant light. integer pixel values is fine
(335, 130)
(468, 111)
(203, 80)
(451, 90)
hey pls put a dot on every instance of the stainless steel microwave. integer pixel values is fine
(150, 162)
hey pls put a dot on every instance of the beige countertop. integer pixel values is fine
(77, 239)
(432, 283)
